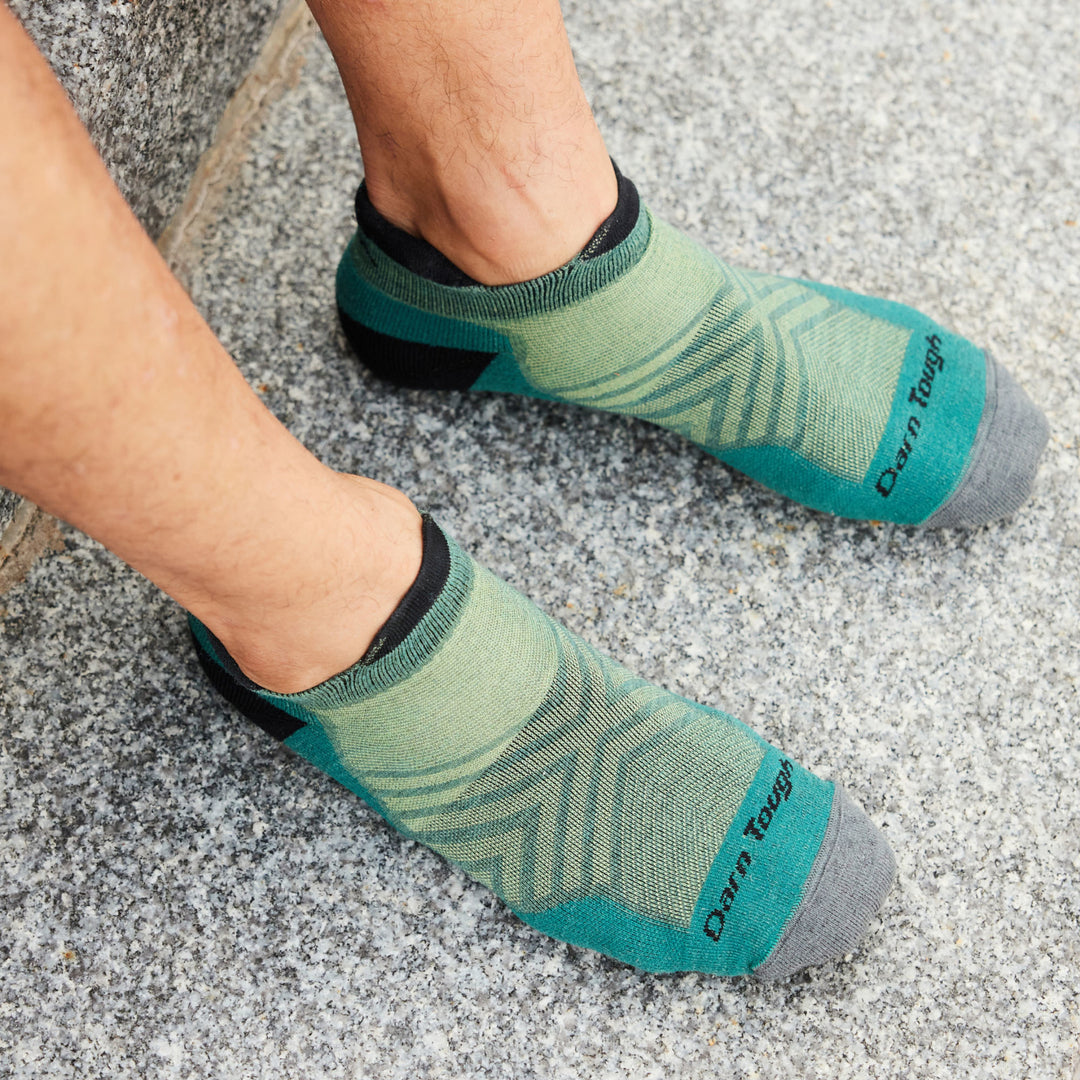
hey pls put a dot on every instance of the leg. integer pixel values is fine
(606, 811)
(478, 146)
(107, 375)
(474, 128)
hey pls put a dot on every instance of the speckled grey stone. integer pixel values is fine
(149, 79)
(9, 503)
(183, 898)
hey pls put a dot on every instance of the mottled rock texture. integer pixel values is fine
(149, 80)
(182, 898)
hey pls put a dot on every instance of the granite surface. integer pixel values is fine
(9, 510)
(9, 503)
(149, 78)
(183, 898)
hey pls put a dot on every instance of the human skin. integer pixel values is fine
(474, 128)
(123, 415)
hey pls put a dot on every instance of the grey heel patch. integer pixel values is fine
(1010, 440)
(852, 873)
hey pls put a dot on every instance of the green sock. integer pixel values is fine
(859, 407)
(603, 810)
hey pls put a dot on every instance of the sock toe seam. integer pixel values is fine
(816, 877)
(986, 422)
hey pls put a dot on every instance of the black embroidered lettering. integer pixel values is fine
(756, 827)
(718, 916)
(886, 481)
(752, 830)
(919, 395)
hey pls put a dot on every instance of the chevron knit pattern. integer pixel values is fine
(812, 390)
(602, 809)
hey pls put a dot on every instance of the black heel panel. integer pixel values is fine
(413, 365)
(270, 718)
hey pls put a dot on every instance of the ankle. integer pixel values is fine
(296, 634)
(502, 223)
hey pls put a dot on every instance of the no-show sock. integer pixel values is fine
(603, 810)
(860, 407)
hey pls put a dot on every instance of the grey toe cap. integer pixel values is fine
(851, 875)
(1011, 437)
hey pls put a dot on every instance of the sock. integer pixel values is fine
(858, 407)
(603, 810)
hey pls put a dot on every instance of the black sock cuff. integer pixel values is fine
(428, 262)
(619, 224)
(422, 594)
(414, 605)
(410, 251)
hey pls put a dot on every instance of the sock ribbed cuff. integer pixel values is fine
(418, 256)
(410, 612)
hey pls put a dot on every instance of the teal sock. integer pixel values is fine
(859, 407)
(603, 810)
